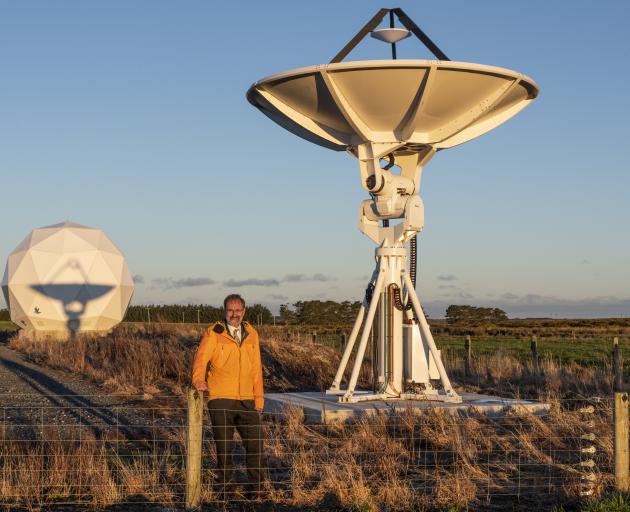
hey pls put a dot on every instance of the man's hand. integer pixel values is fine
(201, 386)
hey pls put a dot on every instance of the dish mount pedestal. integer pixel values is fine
(407, 358)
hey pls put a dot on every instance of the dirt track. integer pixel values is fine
(32, 396)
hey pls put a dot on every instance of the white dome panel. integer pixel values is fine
(67, 277)
(48, 240)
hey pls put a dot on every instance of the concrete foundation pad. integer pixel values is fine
(321, 408)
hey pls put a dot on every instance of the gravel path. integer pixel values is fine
(33, 397)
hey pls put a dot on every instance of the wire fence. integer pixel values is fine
(54, 455)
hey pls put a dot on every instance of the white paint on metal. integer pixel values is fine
(390, 35)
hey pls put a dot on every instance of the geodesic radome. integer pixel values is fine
(67, 277)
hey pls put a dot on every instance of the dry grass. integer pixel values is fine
(433, 460)
(504, 375)
(157, 359)
(50, 469)
(436, 459)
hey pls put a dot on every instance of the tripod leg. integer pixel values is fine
(426, 333)
(378, 287)
(348, 350)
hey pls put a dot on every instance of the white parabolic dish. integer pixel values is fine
(419, 102)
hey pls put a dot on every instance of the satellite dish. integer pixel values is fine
(414, 103)
(393, 113)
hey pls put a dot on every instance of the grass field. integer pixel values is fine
(584, 351)
(431, 462)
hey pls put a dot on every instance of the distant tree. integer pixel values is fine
(317, 312)
(189, 313)
(287, 315)
(257, 314)
(463, 314)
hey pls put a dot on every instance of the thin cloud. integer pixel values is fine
(295, 278)
(168, 283)
(239, 283)
(321, 278)
(277, 296)
(447, 277)
(138, 279)
(276, 281)
(303, 278)
(585, 262)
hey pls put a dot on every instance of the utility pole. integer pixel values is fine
(182, 317)
(198, 316)
(149, 315)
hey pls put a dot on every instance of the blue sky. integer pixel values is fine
(131, 117)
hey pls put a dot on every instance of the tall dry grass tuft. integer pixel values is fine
(158, 359)
(385, 462)
(504, 375)
(436, 459)
(54, 468)
(120, 361)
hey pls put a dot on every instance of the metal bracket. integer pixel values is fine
(373, 23)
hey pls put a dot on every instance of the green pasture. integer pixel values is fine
(581, 350)
(7, 326)
(584, 351)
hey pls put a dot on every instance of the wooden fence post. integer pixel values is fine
(314, 337)
(193, 449)
(535, 360)
(468, 356)
(620, 418)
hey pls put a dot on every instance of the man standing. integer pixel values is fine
(227, 364)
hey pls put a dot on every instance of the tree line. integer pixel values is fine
(474, 315)
(192, 313)
(303, 312)
(335, 314)
(318, 312)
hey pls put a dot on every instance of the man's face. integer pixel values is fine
(234, 312)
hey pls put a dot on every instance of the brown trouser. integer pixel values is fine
(227, 415)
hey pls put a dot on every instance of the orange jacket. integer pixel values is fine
(231, 369)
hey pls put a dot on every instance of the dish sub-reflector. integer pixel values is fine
(419, 102)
